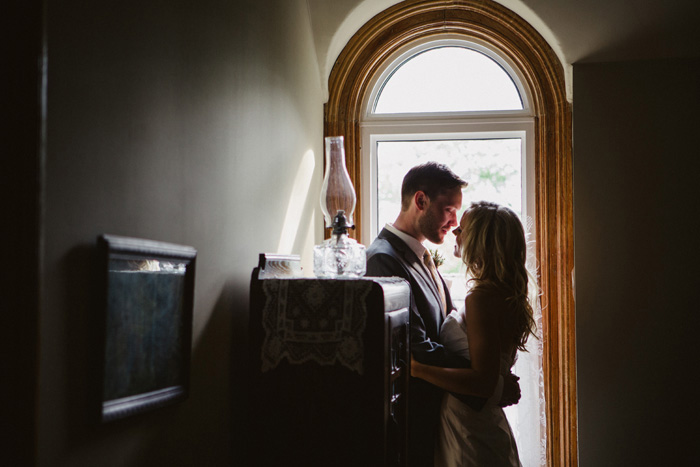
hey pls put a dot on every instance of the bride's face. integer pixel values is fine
(458, 234)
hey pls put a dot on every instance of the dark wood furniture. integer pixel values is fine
(329, 371)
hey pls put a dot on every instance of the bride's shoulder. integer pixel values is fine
(481, 294)
(484, 299)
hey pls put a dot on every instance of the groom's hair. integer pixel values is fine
(431, 178)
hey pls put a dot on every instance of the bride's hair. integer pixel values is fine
(494, 250)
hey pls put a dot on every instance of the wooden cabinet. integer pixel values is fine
(329, 373)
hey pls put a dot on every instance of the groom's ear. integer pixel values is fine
(421, 200)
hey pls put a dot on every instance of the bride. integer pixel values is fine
(495, 323)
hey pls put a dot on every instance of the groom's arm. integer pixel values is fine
(507, 390)
(428, 351)
(424, 349)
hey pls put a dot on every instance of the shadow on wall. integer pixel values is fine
(80, 292)
(81, 404)
(206, 429)
(209, 428)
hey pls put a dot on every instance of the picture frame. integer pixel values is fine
(146, 324)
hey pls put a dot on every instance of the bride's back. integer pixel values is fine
(493, 247)
(507, 318)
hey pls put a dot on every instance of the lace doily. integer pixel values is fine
(314, 320)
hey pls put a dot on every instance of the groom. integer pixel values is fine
(431, 196)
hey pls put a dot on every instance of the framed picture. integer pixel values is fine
(146, 324)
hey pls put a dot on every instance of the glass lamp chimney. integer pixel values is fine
(337, 192)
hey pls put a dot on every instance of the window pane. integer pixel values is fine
(448, 79)
(491, 166)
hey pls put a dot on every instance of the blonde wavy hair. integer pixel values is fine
(494, 249)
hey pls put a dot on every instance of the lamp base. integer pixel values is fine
(340, 257)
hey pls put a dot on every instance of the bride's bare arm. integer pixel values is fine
(484, 347)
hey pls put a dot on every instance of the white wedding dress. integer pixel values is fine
(467, 437)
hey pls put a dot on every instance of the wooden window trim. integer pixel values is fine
(542, 73)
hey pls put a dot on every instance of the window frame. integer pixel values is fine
(376, 131)
(543, 75)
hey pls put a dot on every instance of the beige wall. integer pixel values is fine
(184, 122)
(636, 212)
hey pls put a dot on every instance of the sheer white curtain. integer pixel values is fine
(528, 419)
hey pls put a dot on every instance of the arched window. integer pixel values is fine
(445, 76)
(532, 125)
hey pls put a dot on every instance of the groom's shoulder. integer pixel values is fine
(385, 257)
(385, 243)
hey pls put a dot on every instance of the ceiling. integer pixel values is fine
(578, 30)
(611, 30)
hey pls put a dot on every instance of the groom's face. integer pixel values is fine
(441, 215)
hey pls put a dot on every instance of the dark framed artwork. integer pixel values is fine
(146, 324)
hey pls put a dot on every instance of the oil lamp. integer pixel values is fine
(339, 256)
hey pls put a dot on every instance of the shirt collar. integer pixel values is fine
(415, 246)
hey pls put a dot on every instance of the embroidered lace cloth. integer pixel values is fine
(314, 320)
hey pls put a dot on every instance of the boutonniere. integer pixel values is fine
(438, 259)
